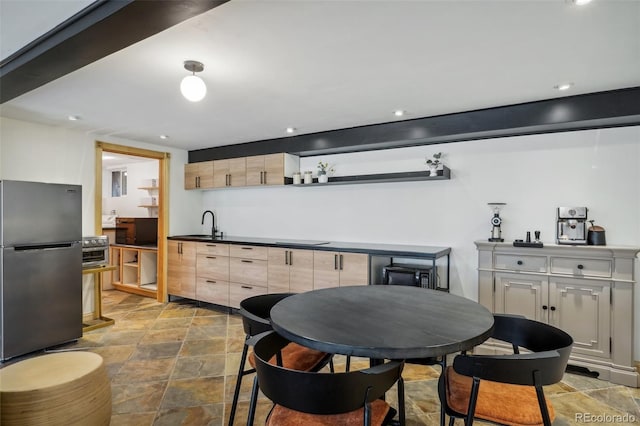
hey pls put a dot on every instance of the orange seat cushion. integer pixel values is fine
(296, 357)
(281, 416)
(497, 402)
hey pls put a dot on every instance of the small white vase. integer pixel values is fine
(323, 178)
(433, 170)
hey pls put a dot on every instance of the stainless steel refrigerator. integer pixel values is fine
(40, 266)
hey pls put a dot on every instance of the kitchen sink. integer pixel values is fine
(303, 242)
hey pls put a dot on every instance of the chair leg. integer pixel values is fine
(331, 368)
(443, 366)
(401, 405)
(473, 399)
(236, 392)
(546, 420)
(253, 402)
(348, 367)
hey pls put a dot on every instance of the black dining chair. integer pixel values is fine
(255, 312)
(320, 398)
(474, 384)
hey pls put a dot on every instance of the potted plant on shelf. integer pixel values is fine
(434, 163)
(323, 169)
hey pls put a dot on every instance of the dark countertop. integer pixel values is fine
(397, 250)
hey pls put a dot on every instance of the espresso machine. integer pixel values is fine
(572, 225)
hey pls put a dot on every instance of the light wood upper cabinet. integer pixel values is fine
(335, 269)
(271, 169)
(181, 269)
(229, 172)
(198, 175)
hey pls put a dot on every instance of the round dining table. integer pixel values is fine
(382, 321)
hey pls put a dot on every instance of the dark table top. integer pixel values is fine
(379, 321)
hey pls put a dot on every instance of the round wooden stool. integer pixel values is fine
(56, 389)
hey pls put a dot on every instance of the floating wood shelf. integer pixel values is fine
(443, 174)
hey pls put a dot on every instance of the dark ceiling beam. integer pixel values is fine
(613, 108)
(97, 31)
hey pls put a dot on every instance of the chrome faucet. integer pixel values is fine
(213, 222)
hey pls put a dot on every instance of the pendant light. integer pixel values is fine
(192, 86)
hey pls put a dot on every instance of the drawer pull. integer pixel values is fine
(211, 282)
(246, 261)
(247, 248)
(211, 257)
(246, 287)
(212, 245)
(580, 266)
(520, 262)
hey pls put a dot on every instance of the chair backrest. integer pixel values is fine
(319, 393)
(549, 349)
(256, 311)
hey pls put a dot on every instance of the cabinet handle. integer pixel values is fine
(246, 261)
(545, 307)
(580, 266)
(553, 308)
(520, 262)
(179, 248)
(286, 257)
(290, 257)
(335, 262)
(246, 248)
(246, 287)
(212, 245)
(211, 281)
(229, 180)
(211, 257)
(341, 263)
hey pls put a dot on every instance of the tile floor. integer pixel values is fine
(175, 364)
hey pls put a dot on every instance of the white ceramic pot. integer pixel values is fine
(323, 178)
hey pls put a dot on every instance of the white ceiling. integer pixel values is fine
(323, 65)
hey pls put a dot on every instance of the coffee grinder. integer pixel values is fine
(496, 221)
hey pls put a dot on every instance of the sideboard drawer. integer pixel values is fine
(239, 292)
(601, 268)
(515, 262)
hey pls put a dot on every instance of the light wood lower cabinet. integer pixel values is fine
(586, 291)
(247, 273)
(212, 273)
(336, 269)
(181, 268)
(289, 270)
(226, 274)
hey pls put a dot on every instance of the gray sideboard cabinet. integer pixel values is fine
(585, 290)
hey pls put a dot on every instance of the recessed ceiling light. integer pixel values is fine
(563, 86)
(73, 117)
(399, 112)
(290, 130)
(581, 2)
(164, 137)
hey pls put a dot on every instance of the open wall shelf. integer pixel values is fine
(443, 174)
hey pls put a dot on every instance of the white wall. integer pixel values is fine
(138, 175)
(35, 152)
(534, 174)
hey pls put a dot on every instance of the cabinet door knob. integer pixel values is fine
(520, 262)
(553, 308)
(545, 307)
(580, 266)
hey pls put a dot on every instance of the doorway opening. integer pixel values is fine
(131, 207)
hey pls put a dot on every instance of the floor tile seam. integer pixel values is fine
(586, 395)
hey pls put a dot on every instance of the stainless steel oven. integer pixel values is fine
(95, 251)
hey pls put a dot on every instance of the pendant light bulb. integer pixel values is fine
(192, 86)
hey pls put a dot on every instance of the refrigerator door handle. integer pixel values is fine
(44, 246)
